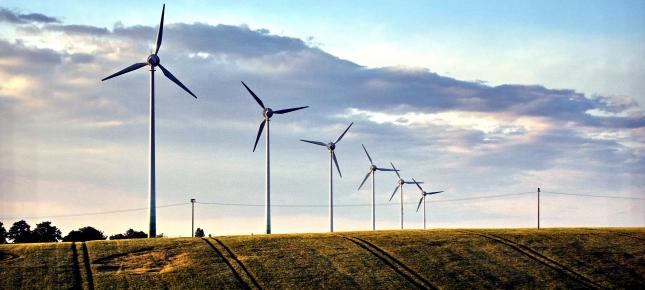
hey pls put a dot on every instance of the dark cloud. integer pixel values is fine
(24, 58)
(9, 16)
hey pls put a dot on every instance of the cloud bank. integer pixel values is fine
(66, 135)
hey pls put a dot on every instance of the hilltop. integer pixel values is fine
(572, 258)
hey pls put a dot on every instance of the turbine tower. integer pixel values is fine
(399, 187)
(372, 171)
(423, 199)
(267, 113)
(331, 146)
(153, 62)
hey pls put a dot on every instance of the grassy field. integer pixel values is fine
(612, 258)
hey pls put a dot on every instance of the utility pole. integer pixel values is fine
(192, 224)
(538, 207)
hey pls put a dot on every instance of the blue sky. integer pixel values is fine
(474, 98)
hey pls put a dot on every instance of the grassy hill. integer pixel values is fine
(612, 258)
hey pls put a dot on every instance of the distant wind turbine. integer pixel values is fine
(267, 113)
(372, 172)
(332, 156)
(152, 62)
(399, 186)
(423, 199)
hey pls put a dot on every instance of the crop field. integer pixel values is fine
(571, 258)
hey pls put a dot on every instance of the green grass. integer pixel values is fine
(573, 258)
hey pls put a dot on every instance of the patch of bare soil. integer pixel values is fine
(142, 261)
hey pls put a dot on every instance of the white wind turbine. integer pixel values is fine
(267, 113)
(423, 199)
(399, 187)
(331, 146)
(372, 172)
(153, 62)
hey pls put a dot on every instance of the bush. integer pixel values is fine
(84, 234)
(129, 234)
(20, 232)
(45, 232)
(3, 234)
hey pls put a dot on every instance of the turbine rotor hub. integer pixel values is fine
(331, 146)
(373, 167)
(268, 113)
(401, 181)
(153, 60)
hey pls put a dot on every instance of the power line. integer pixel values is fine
(320, 205)
(93, 213)
(363, 204)
(594, 195)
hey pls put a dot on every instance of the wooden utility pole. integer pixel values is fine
(538, 207)
(192, 224)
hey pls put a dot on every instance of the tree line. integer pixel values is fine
(44, 232)
(21, 232)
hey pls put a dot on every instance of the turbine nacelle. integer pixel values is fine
(268, 113)
(153, 60)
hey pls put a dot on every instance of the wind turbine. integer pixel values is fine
(372, 171)
(423, 199)
(152, 62)
(399, 187)
(267, 113)
(332, 156)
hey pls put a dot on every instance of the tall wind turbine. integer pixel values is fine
(423, 199)
(152, 62)
(372, 171)
(332, 157)
(399, 187)
(267, 113)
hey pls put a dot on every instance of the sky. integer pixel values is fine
(473, 98)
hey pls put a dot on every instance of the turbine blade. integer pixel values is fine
(314, 142)
(283, 111)
(175, 80)
(368, 155)
(259, 133)
(160, 31)
(333, 155)
(126, 70)
(385, 169)
(420, 200)
(341, 135)
(395, 170)
(364, 179)
(434, 192)
(419, 186)
(394, 192)
(254, 96)
(412, 182)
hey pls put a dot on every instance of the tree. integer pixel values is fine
(3, 234)
(199, 233)
(45, 232)
(129, 234)
(84, 234)
(20, 232)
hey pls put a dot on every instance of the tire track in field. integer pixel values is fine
(76, 270)
(239, 263)
(544, 260)
(396, 265)
(88, 268)
(228, 263)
